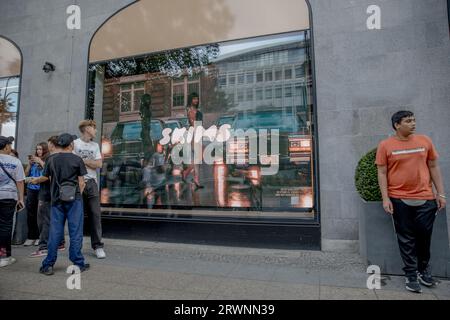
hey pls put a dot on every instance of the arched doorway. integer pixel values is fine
(10, 72)
(250, 63)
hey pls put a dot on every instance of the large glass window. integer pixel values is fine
(268, 175)
(9, 95)
(10, 63)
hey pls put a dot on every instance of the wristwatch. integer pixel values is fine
(442, 196)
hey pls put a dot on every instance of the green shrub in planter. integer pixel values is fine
(366, 178)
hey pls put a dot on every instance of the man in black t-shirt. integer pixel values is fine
(44, 206)
(65, 167)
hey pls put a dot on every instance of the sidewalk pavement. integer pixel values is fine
(157, 270)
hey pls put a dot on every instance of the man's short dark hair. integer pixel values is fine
(399, 116)
(53, 140)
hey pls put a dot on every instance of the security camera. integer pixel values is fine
(48, 67)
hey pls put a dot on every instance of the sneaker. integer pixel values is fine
(413, 285)
(36, 242)
(7, 261)
(28, 243)
(85, 267)
(100, 253)
(425, 278)
(47, 271)
(62, 247)
(38, 253)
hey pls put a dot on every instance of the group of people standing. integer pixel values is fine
(61, 179)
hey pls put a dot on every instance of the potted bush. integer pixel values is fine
(377, 239)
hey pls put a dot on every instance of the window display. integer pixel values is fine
(224, 129)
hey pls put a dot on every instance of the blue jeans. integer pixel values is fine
(73, 212)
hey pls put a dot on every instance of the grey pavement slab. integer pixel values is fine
(287, 291)
(151, 270)
(403, 295)
(297, 275)
(343, 293)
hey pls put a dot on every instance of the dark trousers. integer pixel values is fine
(91, 202)
(7, 209)
(73, 212)
(43, 219)
(414, 226)
(32, 207)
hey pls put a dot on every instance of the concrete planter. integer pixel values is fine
(378, 241)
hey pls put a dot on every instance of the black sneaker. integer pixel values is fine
(413, 285)
(47, 271)
(425, 278)
(83, 268)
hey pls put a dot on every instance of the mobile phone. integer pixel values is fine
(29, 157)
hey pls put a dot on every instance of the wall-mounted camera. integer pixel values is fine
(48, 67)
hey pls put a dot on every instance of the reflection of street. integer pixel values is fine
(223, 189)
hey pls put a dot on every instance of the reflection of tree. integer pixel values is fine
(172, 63)
(6, 103)
(146, 118)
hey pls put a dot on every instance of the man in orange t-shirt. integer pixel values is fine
(407, 167)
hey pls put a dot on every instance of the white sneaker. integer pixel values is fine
(7, 261)
(36, 243)
(100, 253)
(28, 243)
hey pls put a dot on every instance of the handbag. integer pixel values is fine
(67, 189)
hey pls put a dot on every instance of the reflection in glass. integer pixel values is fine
(261, 83)
(9, 95)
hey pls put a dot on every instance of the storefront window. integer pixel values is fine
(131, 177)
(10, 61)
(254, 87)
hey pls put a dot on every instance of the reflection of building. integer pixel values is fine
(270, 75)
(274, 75)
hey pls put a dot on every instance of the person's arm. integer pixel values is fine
(39, 180)
(191, 116)
(93, 164)
(436, 177)
(20, 188)
(81, 183)
(39, 161)
(383, 183)
(27, 169)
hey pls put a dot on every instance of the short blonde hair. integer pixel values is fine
(86, 123)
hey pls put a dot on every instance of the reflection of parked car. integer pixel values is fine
(225, 119)
(184, 121)
(173, 124)
(126, 138)
(294, 144)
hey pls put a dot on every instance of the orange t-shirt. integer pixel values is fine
(408, 174)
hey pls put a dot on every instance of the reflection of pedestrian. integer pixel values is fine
(154, 177)
(194, 116)
(11, 196)
(407, 167)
